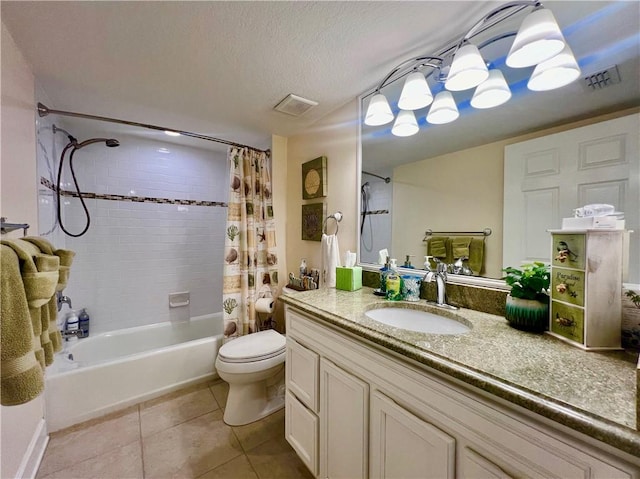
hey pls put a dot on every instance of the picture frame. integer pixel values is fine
(312, 217)
(314, 178)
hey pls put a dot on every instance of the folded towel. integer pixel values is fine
(436, 247)
(21, 376)
(330, 259)
(460, 246)
(476, 256)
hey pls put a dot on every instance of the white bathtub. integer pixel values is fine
(110, 371)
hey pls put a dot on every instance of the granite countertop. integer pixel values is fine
(591, 392)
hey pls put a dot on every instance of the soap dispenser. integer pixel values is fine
(394, 283)
(407, 262)
(427, 263)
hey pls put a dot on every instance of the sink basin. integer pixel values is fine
(416, 320)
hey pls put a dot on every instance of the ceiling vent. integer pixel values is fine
(602, 79)
(295, 105)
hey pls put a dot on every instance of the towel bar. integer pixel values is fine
(485, 232)
(9, 227)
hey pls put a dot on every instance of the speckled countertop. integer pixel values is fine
(591, 392)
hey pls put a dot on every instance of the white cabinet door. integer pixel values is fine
(474, 466)
(344, 421)
(301, 368)
(404, 446)
(301, 431)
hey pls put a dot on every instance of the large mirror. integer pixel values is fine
(449, 178)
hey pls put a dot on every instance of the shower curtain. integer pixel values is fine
(250, 263)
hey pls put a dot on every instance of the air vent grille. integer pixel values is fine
(295, 105)
(604, 78)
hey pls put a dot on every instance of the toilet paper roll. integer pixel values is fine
(264, 305)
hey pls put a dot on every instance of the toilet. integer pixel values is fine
(253, 365)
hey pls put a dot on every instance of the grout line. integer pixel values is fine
(141, 440)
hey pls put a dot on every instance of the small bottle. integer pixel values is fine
(427, 263)
(407, 262)
(71, 323)
(303, 268)
(394, 283)
(83, 322)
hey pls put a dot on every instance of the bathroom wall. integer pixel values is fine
(157, 226)
(23, 430)
(336, 138)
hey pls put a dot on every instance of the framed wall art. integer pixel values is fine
(314, 178)
(312, 217)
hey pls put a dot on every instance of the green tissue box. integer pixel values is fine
(349, 279)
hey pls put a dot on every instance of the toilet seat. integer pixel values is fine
(253, 347)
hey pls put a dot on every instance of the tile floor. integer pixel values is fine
(180, 435)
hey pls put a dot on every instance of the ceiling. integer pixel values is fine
(219, 68)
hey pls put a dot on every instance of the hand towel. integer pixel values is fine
(21, 376)
(436, 247)
(476, 256)
(460, 246)
(330, 259)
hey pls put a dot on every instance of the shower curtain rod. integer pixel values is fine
(44, 111)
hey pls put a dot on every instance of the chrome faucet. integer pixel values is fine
(440, 277)
(62, 299)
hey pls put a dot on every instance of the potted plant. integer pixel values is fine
(527, 305)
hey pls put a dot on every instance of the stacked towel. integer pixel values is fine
(476, 256)
(22, 376)
(436, 247)
(330, 259)
(460, 246)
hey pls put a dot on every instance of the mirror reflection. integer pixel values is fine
(450, 178)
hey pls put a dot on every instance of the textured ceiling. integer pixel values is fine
(218, 68)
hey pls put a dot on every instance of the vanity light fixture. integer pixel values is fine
(460, 66)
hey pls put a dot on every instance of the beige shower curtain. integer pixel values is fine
(250, 263)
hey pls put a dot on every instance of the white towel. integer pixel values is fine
(330, 259)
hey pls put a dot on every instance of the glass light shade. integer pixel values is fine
(416, 93)
(405, 124)
(555, 72)
(492, 92)
(443, 109)
(468, 69)
(539, 38)
(379, 111)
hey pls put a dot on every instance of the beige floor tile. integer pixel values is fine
(84, 441)
(238, 468)
(122, 463)
(190, 449)
(275, 459)
(220, 391)
(176, 408)
(261, 431)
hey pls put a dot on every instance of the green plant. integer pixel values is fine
(529, 282)
(634, 297)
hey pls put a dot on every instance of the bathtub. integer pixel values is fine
(110, 371)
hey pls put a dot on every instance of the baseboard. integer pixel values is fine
(34, 453)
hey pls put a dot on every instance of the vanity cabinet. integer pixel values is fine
(586, 287)
(382, 415)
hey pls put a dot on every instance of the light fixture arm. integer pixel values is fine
(415, 63)
(522, 4)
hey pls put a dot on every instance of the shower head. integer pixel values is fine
(110, 142)
(387, 179)
(365, 186)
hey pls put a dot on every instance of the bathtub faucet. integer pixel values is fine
(62, 299)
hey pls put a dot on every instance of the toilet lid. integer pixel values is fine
(253, 347)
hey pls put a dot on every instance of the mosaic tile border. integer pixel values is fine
(376, 212)
(135, 199)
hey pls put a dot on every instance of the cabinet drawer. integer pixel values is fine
(567, 321)
(567, 285)
(302, 366)
(301, 431)
(568, 250)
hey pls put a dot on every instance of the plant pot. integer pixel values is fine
(527, 314)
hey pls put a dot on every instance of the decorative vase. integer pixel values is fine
(527, 314)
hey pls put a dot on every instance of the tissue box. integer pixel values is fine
(349, 279)
(592, 222)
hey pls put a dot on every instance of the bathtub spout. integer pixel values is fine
(62, 299)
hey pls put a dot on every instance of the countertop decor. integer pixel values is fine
(591, 392)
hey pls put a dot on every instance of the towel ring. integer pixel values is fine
(337, 216)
